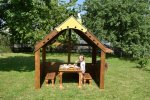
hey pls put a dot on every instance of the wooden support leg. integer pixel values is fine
(52, 83)
(46, 81)
(80, 80)
(60, 79)
(84, 81)
(90, 82)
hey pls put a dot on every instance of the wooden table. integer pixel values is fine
(75, 70)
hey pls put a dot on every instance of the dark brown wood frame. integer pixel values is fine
(87, 36)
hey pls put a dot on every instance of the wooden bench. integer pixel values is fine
(50, 76)
(88, 77)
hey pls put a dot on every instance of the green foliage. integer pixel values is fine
(4, 49)
(4, 44)
(125, 23)
(64, 37)
(142, 62)
(30, 20)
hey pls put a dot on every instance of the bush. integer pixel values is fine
(4, 44)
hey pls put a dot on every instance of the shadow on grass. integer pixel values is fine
(148, 70)
(20, 63)
(70, 78)
(144, 69)
(17, 63)
(74, 78)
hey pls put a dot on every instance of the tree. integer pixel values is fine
(125, 23)
(30, 20)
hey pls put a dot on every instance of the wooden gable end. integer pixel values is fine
(71, 23)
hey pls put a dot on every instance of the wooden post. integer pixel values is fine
(102, 69)
(37, 69)
(43, 60)
(69, 46)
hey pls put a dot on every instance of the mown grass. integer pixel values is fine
(123, 81)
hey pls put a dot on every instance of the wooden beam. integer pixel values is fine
(54, 38)
(84, 37)
(91, 39)
(37, 69)
(69, 46)
(50, 36)
(102, 69)
(95, 40)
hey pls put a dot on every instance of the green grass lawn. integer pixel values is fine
(123, 81)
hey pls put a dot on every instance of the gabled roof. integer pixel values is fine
(72, 23)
